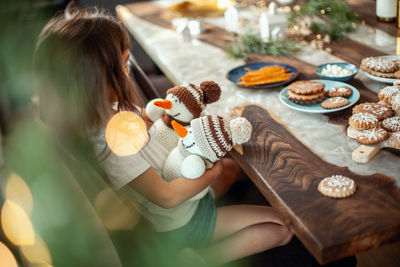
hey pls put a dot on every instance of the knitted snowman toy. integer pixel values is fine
(206, 140)
(182, 104)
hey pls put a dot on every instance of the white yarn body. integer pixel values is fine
(164, 135)
(182, 164)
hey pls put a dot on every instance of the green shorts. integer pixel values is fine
(197, 233)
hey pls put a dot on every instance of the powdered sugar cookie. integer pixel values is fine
(340, 91)
(391, 124)
(337, 186)
(382, 111)
(386, 94)
(306, 87)
(394, 140)
(335, 102)
(379, 64)
(363, 120)
(372, 136)
(396, 101)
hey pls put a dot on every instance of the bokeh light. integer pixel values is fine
(126, 133)
(18, 191)
(6, 257)
(37, 253)
(16, 224)
(114, 212)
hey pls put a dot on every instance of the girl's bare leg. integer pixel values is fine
(244, 230)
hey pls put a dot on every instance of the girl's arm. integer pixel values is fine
(170, 194)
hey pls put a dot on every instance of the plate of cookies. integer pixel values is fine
(381, 69)
(319, 96)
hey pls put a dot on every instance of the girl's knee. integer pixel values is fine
(285, 234)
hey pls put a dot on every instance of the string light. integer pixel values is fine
(126, 133)
(6, 257)
(37, 253)
(18, 191)
(322, 11)
(16, 224)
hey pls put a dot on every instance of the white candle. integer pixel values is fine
(386, 9)
(231, 16)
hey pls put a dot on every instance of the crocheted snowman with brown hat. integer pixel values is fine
(206, 140)
(182, 104)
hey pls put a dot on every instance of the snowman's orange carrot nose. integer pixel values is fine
(165, 104)
(179, 129)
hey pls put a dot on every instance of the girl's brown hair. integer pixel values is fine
(79, 55)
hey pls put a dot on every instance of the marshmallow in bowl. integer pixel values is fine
(335, 71)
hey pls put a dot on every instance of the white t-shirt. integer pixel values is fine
(121, 170)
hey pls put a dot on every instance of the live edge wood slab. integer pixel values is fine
(287, 173)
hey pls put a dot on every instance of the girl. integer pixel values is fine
(86, 55)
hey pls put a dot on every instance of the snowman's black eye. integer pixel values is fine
(176, 101)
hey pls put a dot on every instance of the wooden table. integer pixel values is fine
(290, 152)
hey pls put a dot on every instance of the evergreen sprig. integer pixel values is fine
(253, 43)
(337, 18)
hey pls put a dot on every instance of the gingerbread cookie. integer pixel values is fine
(396, 101)
(391, 124)
(363, 120)
(386, 94)
(306, 87)
(372, 136)
(382, 111)
(379, 64)
(306, 99)
(340, 91)
(394, 140)
(335, 102)
(337, 186)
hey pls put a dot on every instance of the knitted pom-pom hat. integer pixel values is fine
(215, 136)
(195, 98)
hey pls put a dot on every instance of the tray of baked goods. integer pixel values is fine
(376, 125)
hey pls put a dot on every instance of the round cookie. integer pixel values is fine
(379, 74)
(340, 91)
(386, 94)
(396, 101)
(306, 87)
(391, 124)
(372, 136)
(337, 186)
(394, 140)
(306, 99)
(335, 102)
(379, 64)
(382, 111)
(363, 120)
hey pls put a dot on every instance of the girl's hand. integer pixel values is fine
(216, 170)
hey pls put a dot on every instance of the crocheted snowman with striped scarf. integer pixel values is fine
(182, 104)
(205, 141)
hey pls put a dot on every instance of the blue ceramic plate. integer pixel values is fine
(345, 65)
(235, 74)
(316, 108)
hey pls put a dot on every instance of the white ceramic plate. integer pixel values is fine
(380, 79)
(316, 108)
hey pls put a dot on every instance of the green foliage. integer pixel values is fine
(252, 43)
(337, 18)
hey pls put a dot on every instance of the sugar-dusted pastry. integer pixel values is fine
(335, 102)
(363, 120)
(379, 64)
(386, 94)
(391, 124)
(340, 91)
(337, 186)
(396, 101)
(306, 87)
(372, 136)
(394, 140)
(380, 110)
(306, 99)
